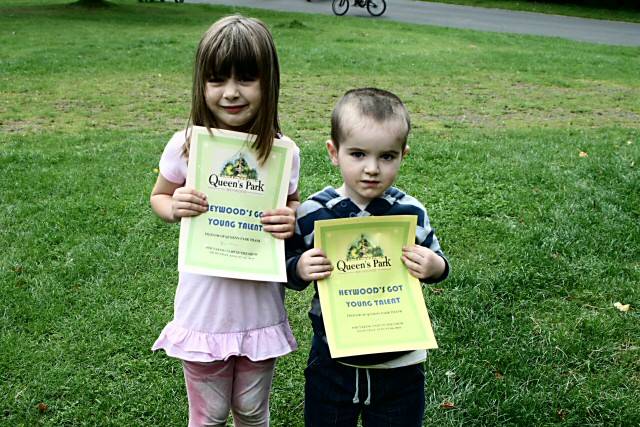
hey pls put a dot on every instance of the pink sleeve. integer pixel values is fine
(173, 165)
(295, 170)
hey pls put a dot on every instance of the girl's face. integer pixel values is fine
(234, 101)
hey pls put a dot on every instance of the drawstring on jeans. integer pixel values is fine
(368, 401)
(356, 398)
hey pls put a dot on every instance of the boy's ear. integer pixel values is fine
(333, 152)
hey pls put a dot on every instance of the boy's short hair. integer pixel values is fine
(376, 104)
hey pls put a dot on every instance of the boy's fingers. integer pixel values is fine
(319, 275)
(314, 252)
(320, 260)
(317, 270)
(413, 256)
(411, 265)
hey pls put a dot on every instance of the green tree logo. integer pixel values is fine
(239, 168)
(362, 248)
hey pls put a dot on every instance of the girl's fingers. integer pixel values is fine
(190, 206)
(186, 212)
(280, 211)
(282, 236)
(279, 228)
(277, 219)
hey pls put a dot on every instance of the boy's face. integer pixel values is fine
(369, 158)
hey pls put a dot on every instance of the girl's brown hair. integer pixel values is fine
(244, 47)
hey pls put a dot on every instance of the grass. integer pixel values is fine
(581, 9)
(525, 151)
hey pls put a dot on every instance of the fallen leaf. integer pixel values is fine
(447, 405)
(42, 407)
(499, 375)
(561, 413)
(437, 290)
(629, 142)
(156, 170)
(622, 307)
(583, 154)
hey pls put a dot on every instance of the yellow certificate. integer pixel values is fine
(370, 303)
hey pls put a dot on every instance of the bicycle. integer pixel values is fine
(374, 7)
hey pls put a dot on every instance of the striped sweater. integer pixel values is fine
(328, 204)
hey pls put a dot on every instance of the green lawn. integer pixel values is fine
(525, 150)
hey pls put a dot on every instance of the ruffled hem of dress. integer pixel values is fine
(198, 346)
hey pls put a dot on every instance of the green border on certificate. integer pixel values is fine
(228, 239)
(370, 303)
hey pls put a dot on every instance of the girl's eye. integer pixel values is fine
(247, 79)
(214, 79)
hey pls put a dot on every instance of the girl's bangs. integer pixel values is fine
(233, 56)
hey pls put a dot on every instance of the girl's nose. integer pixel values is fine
(230, 89)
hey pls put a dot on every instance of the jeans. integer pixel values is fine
(336, 394)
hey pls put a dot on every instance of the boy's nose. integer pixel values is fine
(371, 168)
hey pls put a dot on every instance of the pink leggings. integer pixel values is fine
(237, 384)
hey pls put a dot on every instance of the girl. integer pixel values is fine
(228, 332)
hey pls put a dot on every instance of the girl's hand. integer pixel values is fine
(279, 222)
(313, 265)
(188, 202)
(422, 262)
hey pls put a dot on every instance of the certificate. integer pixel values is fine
(370, 303)
(228, 239)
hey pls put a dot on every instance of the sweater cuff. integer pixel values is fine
(293, 279)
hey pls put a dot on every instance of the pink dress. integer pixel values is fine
(217, 317)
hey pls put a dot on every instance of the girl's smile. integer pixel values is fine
(234, 109)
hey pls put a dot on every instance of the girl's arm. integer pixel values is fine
(171, 201)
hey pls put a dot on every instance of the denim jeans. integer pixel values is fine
(336, 394)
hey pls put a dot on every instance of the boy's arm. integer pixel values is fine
(424, 264)
(425, 259)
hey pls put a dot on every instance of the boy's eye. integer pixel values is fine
(388, 157)
(357, 154)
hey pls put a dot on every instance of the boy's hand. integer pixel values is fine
(188, 202)
(313, 265)
(279, 222)
(422, 262)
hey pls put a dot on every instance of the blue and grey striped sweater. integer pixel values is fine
(328, 204)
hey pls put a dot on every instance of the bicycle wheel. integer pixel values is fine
(376, 7)
(340, 7)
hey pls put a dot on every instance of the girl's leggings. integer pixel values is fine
(237, 384)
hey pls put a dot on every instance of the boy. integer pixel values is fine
(369, 129)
